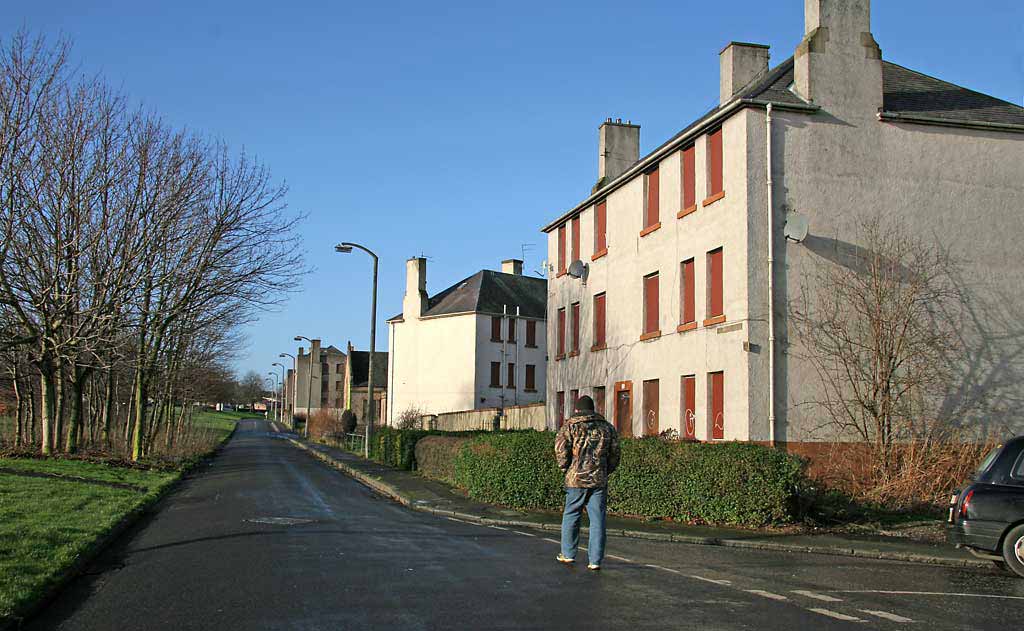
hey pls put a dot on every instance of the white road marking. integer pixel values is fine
(902, 593)
(553, 540)
(886, 615)
(711, 580)
(836, 615)
(528, 534)
(761, 592)
(821, 597)
(499, 528)
(623, 559)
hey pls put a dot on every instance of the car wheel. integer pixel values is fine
(1013, 550)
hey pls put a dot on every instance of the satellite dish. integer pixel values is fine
(796, 227)
(579, 269)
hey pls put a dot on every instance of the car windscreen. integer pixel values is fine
(989, 459)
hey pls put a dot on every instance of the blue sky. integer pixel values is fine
(456, 130)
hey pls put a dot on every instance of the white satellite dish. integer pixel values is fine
(796, 227)
(579, 269)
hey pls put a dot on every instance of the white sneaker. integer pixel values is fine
(562, 559)
(593, 567)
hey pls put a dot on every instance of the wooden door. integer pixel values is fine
(689, 398)
(624, 408)
(717, 407)
(651, 402)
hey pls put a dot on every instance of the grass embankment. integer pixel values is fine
(220, 421)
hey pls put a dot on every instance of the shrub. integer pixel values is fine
(435, 456)
(348, 422)
(410, 418)
(512, 468)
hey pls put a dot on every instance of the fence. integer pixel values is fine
(530, 416)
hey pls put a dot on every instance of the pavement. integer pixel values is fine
(267, 537)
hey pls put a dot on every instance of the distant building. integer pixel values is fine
(356, 387)
(478, 344)
(327, 389)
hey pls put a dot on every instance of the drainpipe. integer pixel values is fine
(771, 275)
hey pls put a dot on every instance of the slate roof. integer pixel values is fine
(486, 292)
(361, 368)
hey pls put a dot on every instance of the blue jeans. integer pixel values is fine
(596, 501)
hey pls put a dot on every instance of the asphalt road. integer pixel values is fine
(267, 537)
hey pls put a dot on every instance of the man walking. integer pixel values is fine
(587, 450)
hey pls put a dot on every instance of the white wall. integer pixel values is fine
(432, 365)
(517, 353)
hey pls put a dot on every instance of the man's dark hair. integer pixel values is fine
(584, 405)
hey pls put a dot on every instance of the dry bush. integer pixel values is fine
(325, 424)
(410, 418)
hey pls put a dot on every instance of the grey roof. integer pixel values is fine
(488, 292)
(911, 93)
(361, 368)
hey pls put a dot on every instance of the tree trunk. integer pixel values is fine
(47, 394)
(31, 414)
(19, 416)
(77, 410)
(108, 408)
(58, 408)
(139, 425)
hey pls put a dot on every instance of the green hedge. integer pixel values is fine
(515, 469)
(435, 456)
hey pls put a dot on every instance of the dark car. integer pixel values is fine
(987, 516)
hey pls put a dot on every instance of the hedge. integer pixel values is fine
(435, 457)
(514, 469)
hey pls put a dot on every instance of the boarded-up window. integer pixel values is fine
(651, 211)
(715, 163)
(651, 303)
(495, 328)
(688, 398)
(561, 249)
(561, 332)
(599, 400)
(716, 404)
(575, 311)
(511, 330)
(531, 378)
(687, 311)
(531, 333)
(559, 409)
(689, 179)
(599, 321)
(575, 239)
(574, 396)
(601, 227)
(510, 380)
(495, 374)
(715, 283)
(651, 407)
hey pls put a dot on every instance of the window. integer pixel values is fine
(600, 229)
(495, 374)
(599, 321)
(687, 312)
(560, 409)
(716, 404)
(689, 182)
(715, 189)
(575, 239)
(511, 330)
(510, 381)
(575, 311)
(599, 400)
(574, 396)
(561, 334)
(495, 328)
(688, 398)
(714, 297)
(650, 307)
(651, 407)
(561, 249)
(651, 203)
(531, 378)
(531, 334)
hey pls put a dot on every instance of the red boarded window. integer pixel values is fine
(688, 397)
(687, 312)
(599, 319)
(715, 283)
(600, 227)
(495, 328)
(574, 396)
(510, 381)
(689, 179)
(715, 163)
(560, 408)
(511, 330)
(575, 309)
(599, 396)
(651, 303)
(561, 249)
(575, 239)
(653, 195)
(716, 404)
(531, 377)
(651, 407)
(531, 333)
(495, 374)
(561, 332)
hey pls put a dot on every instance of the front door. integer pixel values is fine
(624, 408)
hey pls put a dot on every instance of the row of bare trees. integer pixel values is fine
(131, 254)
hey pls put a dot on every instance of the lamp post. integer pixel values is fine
(277, 401)
(309, 382)
(295, 382)
(346, 248)
(280, 408)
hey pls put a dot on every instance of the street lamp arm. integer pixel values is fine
(345, 244)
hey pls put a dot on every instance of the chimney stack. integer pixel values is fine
(618, 149)
(740, 64)
(512, 266)
(414, 305)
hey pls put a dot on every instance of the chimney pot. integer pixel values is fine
(740, 63)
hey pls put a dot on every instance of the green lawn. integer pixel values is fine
(222, 421)
(46, 522)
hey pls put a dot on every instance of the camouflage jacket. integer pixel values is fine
(587, 450)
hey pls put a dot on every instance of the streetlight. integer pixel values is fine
(309, 381)
(346, 248)
(280, 407)
(276, 399)
(295, 384)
